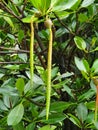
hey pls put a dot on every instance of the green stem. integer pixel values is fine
(48, 95)
(32, 53)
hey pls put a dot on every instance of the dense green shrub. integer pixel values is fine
(66, 31)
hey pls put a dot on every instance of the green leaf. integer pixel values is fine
(28, 19)
(48, 127)
(80, 65)
(11, 36)
(90, 105)
(83, 66)
(86, 76)
(41, 5)
(55, 118)
(12, 67)
(75, 6)
(75, 120)
(20, 35)
(1, 75)
(60, 32)
(80, 43)
(20, 85)
(7, 90)
(9, 21)
(68, 90)
(87, 95)
(86, 64)
(19, 126)
(94, 39)
(60, 106)
(60, 5)
(31, 126)
(23, 56)
(96, 49)
(94, 67)
(61, 15)
(64, 75)
(87, 3)
(54, 72)
(36, 78)
(16, 114)
(82, 112)
(3, 106)
(82, 17)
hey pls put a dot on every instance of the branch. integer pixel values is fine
(9, 11)
(15, 50)
(14, 62)
(65, 26)
(36, 103)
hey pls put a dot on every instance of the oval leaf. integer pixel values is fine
(80, 43)
(20, 85)
(60, 5)
(80, 64)
(15, 115)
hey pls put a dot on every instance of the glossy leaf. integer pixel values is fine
(48, 127)
(41, 5)
(1, 75)
(19, 126)
(55, 118)
(79, 63)
(94, 67)
(82, 112)
(36, 78)
(12, 67)
(31, 126)
(54, 72)
(60, 5)
(60, 106)
(87, 95)
(76, 5)
(16, 114)
(23, 56)
(9, 21)
(20, 85)
(91, 105)
(87, 3)
(80, 43)
(28, 19)
(82, 17)
(20, 35)
(75, 120)
(7, 90)
(3, 106)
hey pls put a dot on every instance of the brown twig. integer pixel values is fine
(65, 26)
(41, 59)
(14, 62)
(10, 11)
(11, 52)
(15, 50)
(39, 40)
(33, 102)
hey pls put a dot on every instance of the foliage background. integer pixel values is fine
(74, 65)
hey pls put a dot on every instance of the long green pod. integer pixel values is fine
(49, 66)
(31, 52)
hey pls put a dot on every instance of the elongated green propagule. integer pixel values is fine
(32, 52)
(48, 24)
